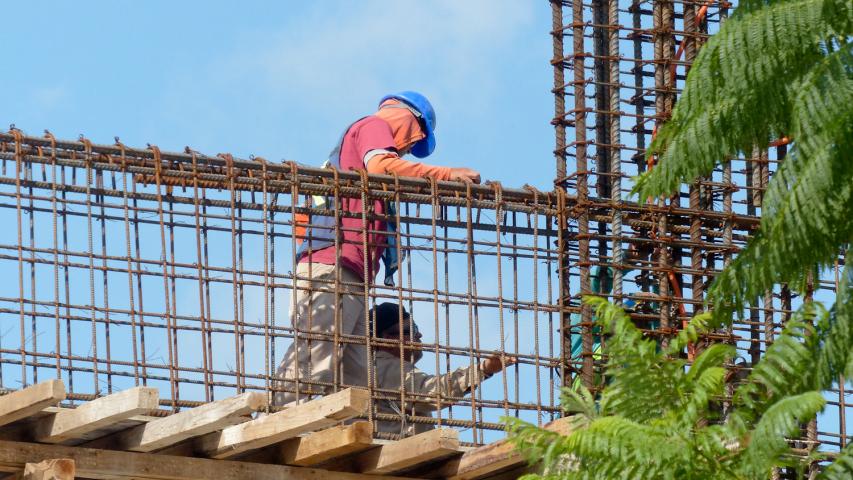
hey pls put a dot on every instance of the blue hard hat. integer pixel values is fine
(419, 103)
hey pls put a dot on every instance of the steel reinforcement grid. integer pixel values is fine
(128, 267)
(619, 67)
(131, 266)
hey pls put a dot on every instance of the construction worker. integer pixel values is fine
(405, 123)
(422, 387)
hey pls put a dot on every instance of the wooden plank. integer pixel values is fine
(55, 469)
(484, 461)
(22, 430)
(72, 425)
(327, 444)
(109, 464)
(193, 422)
(492, 458)
(409, 452)
(294, 421)
(120, 426)
(28, 401)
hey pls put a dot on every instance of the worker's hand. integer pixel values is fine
(493, 364)
(464, 175)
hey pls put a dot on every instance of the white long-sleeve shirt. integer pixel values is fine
(387, 377)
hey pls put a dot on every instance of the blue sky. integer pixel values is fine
(282, 79)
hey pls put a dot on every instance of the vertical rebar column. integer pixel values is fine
(579, 84)
(471, 295)
(663, 21)
(435, 209)
(638, 99)
(91, 264)
(19, 166)
(55, 231)
(28, 174)
(601, 74)
(696, 203)
(559, 91)
(106, 286)
(615, 156)
(602, 116)
(168, 315)
(208, 346)
(560, 122)
(203, 313)
(138, 258)
(235, 289)
(536, 307)
(268, 365)
(559, 221)
(754, 326)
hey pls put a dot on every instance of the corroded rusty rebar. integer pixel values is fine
(621, 76)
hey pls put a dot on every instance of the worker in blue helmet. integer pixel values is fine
(404, 123)
(425, 114)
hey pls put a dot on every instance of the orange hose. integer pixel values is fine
(780, 142)
(700, 15)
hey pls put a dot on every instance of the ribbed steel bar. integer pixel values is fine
(180, 259)
(623, 71)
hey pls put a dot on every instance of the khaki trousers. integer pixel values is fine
(317, 360)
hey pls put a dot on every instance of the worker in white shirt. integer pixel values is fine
(424, 388)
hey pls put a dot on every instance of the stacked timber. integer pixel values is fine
(116, 436)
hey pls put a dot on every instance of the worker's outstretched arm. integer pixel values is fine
(460, 381)
(390, 163)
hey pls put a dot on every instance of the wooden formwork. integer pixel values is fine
(122, 436)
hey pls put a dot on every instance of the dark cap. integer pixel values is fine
(386, 315)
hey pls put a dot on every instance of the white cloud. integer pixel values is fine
(49, 97)
(366, 46)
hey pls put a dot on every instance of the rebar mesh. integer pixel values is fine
(619, 66)
(175, 270)
(132, 266)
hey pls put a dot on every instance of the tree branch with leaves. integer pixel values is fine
(776, 69)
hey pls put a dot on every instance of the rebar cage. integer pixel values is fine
(619, 66)
(175, 270)
(129, 266)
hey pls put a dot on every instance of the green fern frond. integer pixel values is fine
(639, 379)
(841, 468)
(611, 443)
(835, 356)
(659, 419)
(821, 100)
(706, 386)
(697, 325)
(786, 366)
(712, 357)
(775, 68)
(807, 207)
(782, 420)
(579, 402)
(738, 92)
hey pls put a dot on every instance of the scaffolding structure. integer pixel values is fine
(619, 67)
(135, 267)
